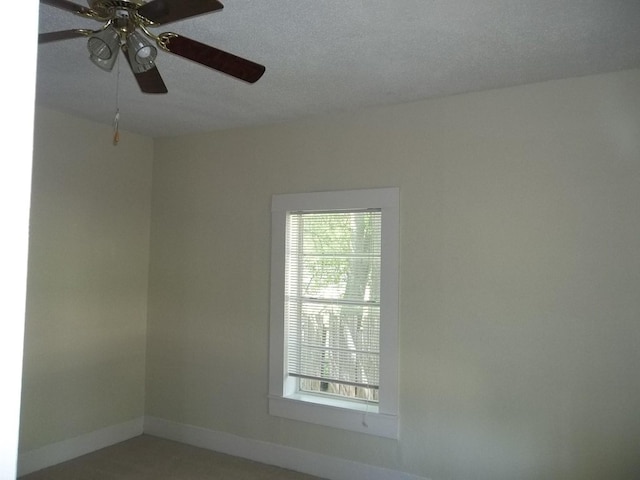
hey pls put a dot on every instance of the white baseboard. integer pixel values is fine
(59, 452)
(331, 468)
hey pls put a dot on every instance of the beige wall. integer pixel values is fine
(87, 282)
(520, 273)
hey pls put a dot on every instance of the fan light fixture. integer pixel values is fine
(141, 53)
(105, 43)
(103, 47)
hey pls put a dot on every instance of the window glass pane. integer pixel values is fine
(332, 301)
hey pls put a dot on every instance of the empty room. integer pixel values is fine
(344, 240)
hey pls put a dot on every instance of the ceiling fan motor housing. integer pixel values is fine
(108, 9)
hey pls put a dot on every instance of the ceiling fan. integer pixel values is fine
(126, 26)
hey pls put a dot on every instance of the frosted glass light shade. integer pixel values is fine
(104, 45)
(141, 53)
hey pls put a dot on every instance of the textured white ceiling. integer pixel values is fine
(327, 56)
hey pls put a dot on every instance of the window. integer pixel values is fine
(334, 308)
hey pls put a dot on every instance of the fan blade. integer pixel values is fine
(61, 35)
(149, 81)
(68, 6)
(213, 58)
(165, 11)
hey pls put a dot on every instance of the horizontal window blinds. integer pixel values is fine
(332, 296)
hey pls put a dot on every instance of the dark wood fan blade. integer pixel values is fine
(61, 35)
(214, 58)
(68, 6)
(166, 11)
(149, 81)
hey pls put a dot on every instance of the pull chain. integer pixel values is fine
(116, 132)
(116, 119)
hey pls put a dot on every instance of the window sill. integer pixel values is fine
(336, 413)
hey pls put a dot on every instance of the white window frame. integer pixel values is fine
(284, 400)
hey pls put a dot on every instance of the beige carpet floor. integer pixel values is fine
(151, 458)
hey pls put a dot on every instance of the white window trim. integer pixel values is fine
(376, 419)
